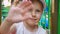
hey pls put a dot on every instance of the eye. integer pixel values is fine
(37, 10)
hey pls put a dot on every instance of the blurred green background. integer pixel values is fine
(45, 19)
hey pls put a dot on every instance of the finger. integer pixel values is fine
(29, 8)
(24, 0)
(15, 2)
(23, 11)
(24, 4)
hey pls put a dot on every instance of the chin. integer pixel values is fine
(34, 23)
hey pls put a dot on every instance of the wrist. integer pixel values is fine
(8, 20)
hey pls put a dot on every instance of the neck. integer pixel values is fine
(29, 27)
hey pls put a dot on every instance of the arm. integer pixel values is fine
(12, 29)
(15, 15)
(5, 27)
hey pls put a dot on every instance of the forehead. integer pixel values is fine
(37, 5)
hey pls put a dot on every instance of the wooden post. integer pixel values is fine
(54, 17)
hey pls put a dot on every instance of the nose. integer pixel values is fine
(33, 14)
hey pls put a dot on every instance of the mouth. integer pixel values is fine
(34, 20)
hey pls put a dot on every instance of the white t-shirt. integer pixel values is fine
(20, 29)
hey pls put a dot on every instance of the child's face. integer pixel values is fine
(35, 14)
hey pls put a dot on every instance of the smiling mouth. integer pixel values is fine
(34, 20)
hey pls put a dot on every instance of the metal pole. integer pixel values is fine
(59, 17)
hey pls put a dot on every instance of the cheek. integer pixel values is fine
(38, 15)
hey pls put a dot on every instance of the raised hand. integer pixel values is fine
(17, 13)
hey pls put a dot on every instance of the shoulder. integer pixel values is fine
(19, 28)
(43, 31)
(15, 27)
(19, 25)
